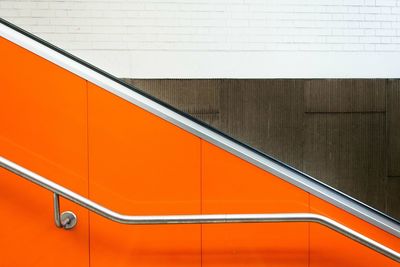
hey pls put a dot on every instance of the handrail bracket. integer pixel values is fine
(66, 220)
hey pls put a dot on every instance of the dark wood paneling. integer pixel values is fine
(335, 130)
(393, 127)
(393, 197)
(266, 114)
(345, 96)
(199, 98)
(347, 151)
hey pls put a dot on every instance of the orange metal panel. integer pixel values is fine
(141, 164)
(231, 185)
(328, 248)
(42, 127)
(137, 163)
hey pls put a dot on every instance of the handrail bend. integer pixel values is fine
(59, 190)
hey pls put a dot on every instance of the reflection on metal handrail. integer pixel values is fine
(67, 220)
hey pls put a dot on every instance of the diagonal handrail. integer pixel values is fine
(67, 220)
(136, 97)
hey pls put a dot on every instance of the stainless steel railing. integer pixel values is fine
(67, 220)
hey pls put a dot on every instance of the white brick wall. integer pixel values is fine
(203, 38)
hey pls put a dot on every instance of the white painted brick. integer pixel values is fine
(386, 25)
(336, 9)
(219, 25)
(370, 10)
(307, 39)
(42, 13)
(369, 47)
(21, 21)
(370, 17)
(359, 17)
(342, 39)
(369, 2)
(42, 21)
(243, 23)
(60, 13)
(128, 5)
(384, 17)
(42, 4)
(314, 47)
(353, 47)
(370, 39)
(369, 32)
(307, 9)
(385, 32)
(370, 25)
(353, 9)
(19, 5)
(109, 45)
(386, 40)
(352, 24)
(386, 10)
(353, 32)
(354, 2)
(386, 2)
(386, 47)
(107, 29)
(78, 45)
(336, 47)
(10, 12)
(309, 31)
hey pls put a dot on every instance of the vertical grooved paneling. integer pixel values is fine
(392, 192)
(200, 98)
(347, 152)
(345, 137)
(393, 127)
(345, 96)
(332, 129)
(266, 114)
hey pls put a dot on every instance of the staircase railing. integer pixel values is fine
(68, 220)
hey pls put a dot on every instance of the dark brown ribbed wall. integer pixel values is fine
(346, 133)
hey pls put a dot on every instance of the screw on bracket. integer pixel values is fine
(67, 220)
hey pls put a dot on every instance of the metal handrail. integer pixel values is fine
(68, 220)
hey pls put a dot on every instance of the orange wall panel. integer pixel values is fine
(131, 161)
(328, 248)
(43, 128)
(141, 164)
(231, 185)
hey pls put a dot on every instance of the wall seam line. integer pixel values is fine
(201, 200)
(88, 162)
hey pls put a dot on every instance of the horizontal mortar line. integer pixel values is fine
(53, 18)
(202, 26)
(328, 112)
(222, 7)
(230, 50)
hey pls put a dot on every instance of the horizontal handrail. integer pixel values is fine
(59, 190)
